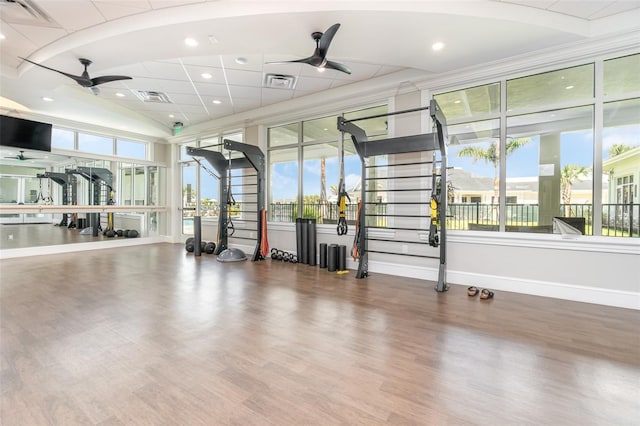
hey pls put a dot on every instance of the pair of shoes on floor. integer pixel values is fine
(484, 294)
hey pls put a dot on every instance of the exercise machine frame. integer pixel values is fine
(253, 157)
(435, 141)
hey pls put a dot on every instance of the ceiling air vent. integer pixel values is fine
(279, 81)
(25, 12)
(153, 97)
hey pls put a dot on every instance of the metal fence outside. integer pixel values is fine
(617, 219)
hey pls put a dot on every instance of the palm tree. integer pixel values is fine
(491, 155)
(569, 174)
(618, 148)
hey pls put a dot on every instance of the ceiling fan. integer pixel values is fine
(21, 157)
(319, 57)
(84, 80)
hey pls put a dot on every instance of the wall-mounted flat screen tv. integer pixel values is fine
(25, 134)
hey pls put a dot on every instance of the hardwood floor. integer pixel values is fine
(151, 335)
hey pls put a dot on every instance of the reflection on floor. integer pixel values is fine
(41, 234)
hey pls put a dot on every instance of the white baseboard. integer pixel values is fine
(76, 247)
(600, 296)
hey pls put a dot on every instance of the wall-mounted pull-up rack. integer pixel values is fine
(253, 158)
(416, 191)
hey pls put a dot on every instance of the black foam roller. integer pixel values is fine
(197, 239)
(332, 254)
(323, 255)
(299, 238)
(342, 258)
(305, 240)
(311, 242)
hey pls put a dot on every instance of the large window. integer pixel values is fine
(63, 139)
(474, 158)
(549, 163)
(304, 167)
(95, 144)
(201, 183)
(131, 149)
(621, 168)
(548, 151)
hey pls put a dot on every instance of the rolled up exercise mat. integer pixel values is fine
(311, 242)
(332, 255)
(323, 255)
(342, 258)
(304, 226)
(299, 238)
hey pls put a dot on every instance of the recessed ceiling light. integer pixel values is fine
(120, 95)
(457, 102)
(217, 101)
(191, 42)
(437, 46)
(321, 69)
(241, 60)
(2, 36)
(205, 75)
(47, 99)
(569, 87)
(171, 115)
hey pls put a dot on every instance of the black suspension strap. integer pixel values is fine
(230, 201)
(342, 227)
(434, 239)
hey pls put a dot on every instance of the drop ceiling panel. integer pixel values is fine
(176, 86)
(114, 9)
(244, 78)
(72, 15)
(211, 89)
(13, 46)
(160, 4)
(185, 99)
(245, 92)
(271, 96)
(579, 8)
(195, 72)
(243, 104)
(164, 70)
(313, 83)
(210, 61)
(39, 35)
(614, 8)
(254, 62)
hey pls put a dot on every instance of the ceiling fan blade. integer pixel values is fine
(337, 66)
(108, 78)
(78, 79)
(325, 40)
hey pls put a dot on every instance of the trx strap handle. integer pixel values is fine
(433, 229)
(343, 196)
(355, 251)
(230, 201)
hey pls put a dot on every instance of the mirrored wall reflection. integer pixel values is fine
(68, 181)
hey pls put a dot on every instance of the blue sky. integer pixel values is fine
(575, 148)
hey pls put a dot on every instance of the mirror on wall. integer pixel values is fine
(48, 179)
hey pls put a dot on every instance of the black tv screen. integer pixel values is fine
(25, 134)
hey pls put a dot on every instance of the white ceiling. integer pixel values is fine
(144, 39)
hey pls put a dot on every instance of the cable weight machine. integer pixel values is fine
(252, 158)
(413, 211)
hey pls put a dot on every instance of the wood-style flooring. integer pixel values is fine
(150, 335)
